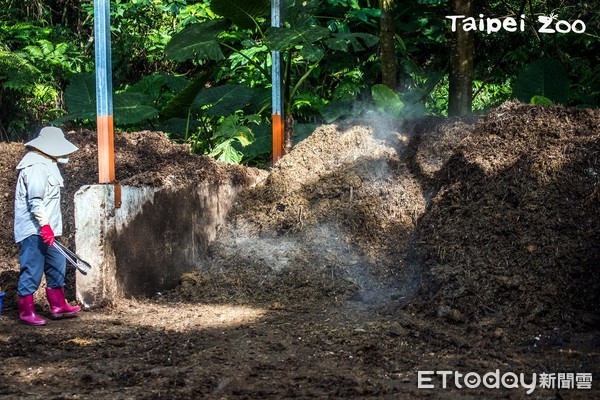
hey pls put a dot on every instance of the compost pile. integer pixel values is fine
(513, 234)
(490, 220)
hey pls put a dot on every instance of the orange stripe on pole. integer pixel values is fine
(277, 137)
(106, 149)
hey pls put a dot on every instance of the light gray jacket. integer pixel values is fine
(37, 197)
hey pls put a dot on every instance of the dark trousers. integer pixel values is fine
(37, 258)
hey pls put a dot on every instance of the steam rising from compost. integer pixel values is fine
(322, 255)
(333, 220)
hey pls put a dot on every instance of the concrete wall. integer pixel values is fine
(144, 246)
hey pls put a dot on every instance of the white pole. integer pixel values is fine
(277, 94)
(104, 105)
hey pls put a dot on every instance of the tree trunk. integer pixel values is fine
(3, 133)
(461, 64)
(288, 133)
(388, 48)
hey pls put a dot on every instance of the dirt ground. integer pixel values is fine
(372, 251)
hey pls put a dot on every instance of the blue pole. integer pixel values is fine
(104, 105)
(276, 22)
(277, 94)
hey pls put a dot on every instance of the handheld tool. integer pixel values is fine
(79, 263)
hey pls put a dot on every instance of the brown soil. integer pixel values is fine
(370, 252)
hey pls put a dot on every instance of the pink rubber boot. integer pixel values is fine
(27, 313)
(59, 307)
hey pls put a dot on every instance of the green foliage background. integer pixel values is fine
(201, 72)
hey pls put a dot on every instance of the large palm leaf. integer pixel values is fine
(281, 39)
(243, 13)
(197, 40)
(223, 100)
(180, 104)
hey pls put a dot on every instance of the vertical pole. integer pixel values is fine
(104, 106)
(277, 94)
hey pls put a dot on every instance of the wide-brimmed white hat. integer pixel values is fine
(51, 141)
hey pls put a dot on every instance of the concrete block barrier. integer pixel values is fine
(145, 245)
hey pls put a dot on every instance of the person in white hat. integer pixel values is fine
(38, 220)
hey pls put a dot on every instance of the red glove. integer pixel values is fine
(47, 235)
